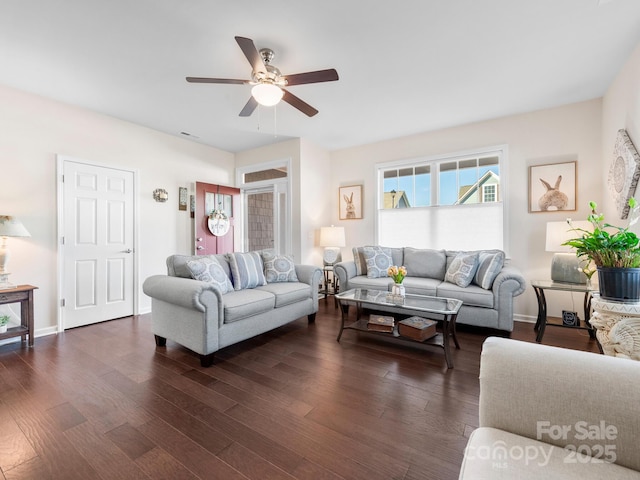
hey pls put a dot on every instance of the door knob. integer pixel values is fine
(200, 247)
(199, 239)
(128, 250)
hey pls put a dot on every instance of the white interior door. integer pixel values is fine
(97, 244)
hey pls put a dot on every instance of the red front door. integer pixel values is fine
(211, 197)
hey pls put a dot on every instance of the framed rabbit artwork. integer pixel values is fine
(350, 202)
(552, 187)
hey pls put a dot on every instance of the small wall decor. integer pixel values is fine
(160, 195)
(350, 202)
(552, 187)
(624, 172)
(182, 198)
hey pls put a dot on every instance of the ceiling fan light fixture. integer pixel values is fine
(267, 94)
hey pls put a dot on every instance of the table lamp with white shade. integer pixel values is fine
(332, 238)
(9, 227)
(566, 267)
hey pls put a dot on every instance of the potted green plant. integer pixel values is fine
(615, 251)
(4, 320)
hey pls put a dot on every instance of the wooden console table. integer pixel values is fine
(23, 294)
(617, 327)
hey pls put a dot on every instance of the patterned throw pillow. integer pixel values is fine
(208, 269)
(359, 260)
(247, 270)
(489, 265)
(279, 268)
(378, 261)
(462, 269)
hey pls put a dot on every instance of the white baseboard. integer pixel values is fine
(524, 318)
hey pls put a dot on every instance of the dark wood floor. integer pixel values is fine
(101, 402)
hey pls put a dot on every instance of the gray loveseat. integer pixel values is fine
(232, 303)
(487, 298)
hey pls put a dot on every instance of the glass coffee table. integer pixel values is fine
(441, 309)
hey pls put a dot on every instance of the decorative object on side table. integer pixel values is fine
(616, 254)
(381, 323)
(397, 274)
(9, 227)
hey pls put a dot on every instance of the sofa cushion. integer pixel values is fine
(489, 266)
(240, 304)
(462, 269)
(208, 269)
(278, 268)
(425, 263)
(472, 295)
(287, 293)
(246, 270)
(421, 286)
(378, 261)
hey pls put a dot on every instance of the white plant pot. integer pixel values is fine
(3, 328)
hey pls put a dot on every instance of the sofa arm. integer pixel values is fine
(184, 292)
(344, 271)
(509, 282)
(561, 396)
(311, 275)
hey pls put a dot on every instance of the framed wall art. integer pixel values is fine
(350, 202)
(624, 172)
(552, 187)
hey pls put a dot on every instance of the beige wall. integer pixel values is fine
(546, 136)
(35, 129)
(310, 186)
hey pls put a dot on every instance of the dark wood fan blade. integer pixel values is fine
(251, 52)
(216, 80)
(301, 105)
(249, 107)
(329, 75)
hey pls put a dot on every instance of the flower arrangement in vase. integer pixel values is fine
(397, 274)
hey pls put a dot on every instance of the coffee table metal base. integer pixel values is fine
(441, 339)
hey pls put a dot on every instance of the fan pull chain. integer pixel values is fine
(275, 122)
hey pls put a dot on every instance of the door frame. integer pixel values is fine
(286, 244)
(60, 162)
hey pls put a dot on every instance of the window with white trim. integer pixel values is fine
(453, 201)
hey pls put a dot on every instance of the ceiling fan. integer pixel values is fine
(268, 83)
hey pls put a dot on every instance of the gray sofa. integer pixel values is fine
(541, 404)
(487, 299)
(206, 316)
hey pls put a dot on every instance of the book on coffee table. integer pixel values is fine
(417, 328)
(380, 323)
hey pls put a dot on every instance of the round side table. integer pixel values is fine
(617, 327)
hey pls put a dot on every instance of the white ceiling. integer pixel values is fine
(405, 67)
